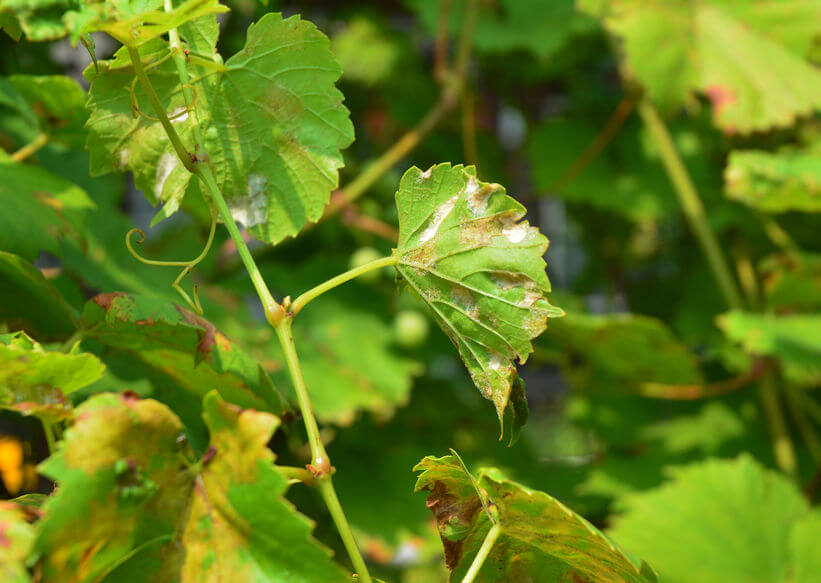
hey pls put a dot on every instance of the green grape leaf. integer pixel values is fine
(677, 526)
(29, 302)
(39, 20)
(793, 339)
(464, 251)
(540, 540)
(792, 282)
(181, 345)
(135, 22)
(804, 548)
(129, 509)
(240, 527)
(16, 538)
(36, 382)
(775, 182)
(272, 120)
(732, 52)
(18, 122)
(58, 102)
(621, 352)
(365, 52)
(39, 210)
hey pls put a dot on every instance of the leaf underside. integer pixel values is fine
(463, 249)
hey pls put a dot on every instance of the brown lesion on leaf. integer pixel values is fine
(206, 331)
(450, 511)
(105, 300)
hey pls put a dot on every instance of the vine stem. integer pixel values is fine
(320, 463)
(690, 202)
(484, 551)
(312, 293)
(783, 450)
(30, 148)
(51, 440)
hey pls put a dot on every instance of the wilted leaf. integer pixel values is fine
(29, 302)
(464, 251)
(793, 339)
(36, 382)
(16, 537)
(39, 209)
(787, 180)
(130, 508)
(732, 52)
(183, 346)
(540, 540)
(272, 120)
(135, 22)
(719, 520)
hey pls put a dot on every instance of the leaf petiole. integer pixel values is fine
(484, 551)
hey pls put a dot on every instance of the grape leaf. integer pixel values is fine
(792, 282)
(181, 345)
(36, 382)
(135, 22)
(240, 527)
(732, 52)
(39, 209)
(29, 302)
(128, 509)
(272, 120)
(16, 538)
(540, 540)
(39, 20)
(775, 182)
(749, 509)
(804, 548)
(463, 250)
(793, 339)
(58, 102)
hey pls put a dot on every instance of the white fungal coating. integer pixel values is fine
(515, 232)
(182, 112)
(250, 210)
(124, 157)
(168, 162)
(439, 216)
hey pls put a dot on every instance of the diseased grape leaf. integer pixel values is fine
(749, 509)
(177, 343)
(29, 302)
(732, 52)
(540, 540)
(135, 22)
(793, 339)
(775, 182)
(272, 120)
(130, 508)
(464, 251)
(39, 209)
(16, 538)
(36, 382)
(792, 282)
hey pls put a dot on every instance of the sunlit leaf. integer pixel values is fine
(464, 250)
(732, 52)
(272, 120)
(787, 180)
(17, 537)
(36, 382)
(540, 540)
(135, 22)
(715, 521)
(794, 339)
(29, 302)
(39, 209)
(183, 346)
(804, 548)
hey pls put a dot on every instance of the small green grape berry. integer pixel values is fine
(410, 329)
(362, 256)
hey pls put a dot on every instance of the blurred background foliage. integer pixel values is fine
(647, 373)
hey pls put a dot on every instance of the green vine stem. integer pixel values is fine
(783, 450)
(51, 439)
(690, 202)
(312, 293)
(484, 551)
(31, 148)
(320, 462)
(805, 427)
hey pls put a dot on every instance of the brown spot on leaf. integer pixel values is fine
(721, 97)
(105, 300)
(450, 510)
(207, 332)
(209, 455)
(5, 541)
(130, 397)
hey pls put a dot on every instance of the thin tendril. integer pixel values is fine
(194, 300)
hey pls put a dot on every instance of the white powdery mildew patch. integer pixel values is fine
(426, 174)
(515, 232)
(465, 300)
(477, 196)
(165, 167)
(439, 216)
(250, 210)
(125, 156)
(497, 361)
(182, 112)
(529, 300)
